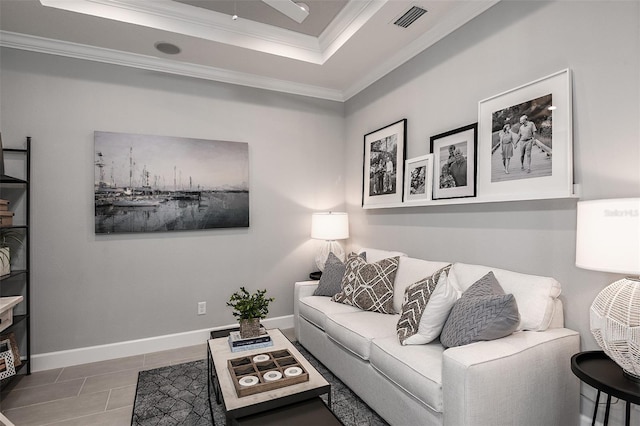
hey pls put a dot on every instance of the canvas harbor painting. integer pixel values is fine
(147, 183)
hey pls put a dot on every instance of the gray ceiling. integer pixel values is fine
(341, 48)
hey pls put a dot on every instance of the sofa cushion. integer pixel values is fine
(354, 331)
(411, 270)
(535, 295)
(374, 255)
(483, 312)
(315, 309)
(416, 369)
(416, 297)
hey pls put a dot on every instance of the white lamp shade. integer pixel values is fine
(608, 235)
(330, 226)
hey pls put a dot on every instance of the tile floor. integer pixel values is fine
(99, 393)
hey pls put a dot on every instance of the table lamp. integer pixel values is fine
(329, 226)
(608, 239)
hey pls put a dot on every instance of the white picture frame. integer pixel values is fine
(546, 169)
(418, 174)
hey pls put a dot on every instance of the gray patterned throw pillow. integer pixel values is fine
(416, 297)
(483, 312)
(374, 286)
(348, 284)
(331, 278)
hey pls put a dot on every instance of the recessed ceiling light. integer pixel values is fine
(303, 6)
(167, 48)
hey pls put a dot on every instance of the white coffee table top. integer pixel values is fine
(221, 353)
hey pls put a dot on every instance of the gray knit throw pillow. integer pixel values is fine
(483, 312)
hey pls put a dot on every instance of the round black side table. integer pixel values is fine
(598, 370)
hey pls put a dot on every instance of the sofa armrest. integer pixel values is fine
(524, 378)
(301, 289)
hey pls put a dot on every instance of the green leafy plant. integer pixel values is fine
(11, 239)
(246, 305)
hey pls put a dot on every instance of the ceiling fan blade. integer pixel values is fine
(288, 8)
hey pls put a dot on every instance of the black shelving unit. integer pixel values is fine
(17, 283)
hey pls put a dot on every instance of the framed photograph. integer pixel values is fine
(384, 165)
(145, 183)
(525, 143)
(454, 169)
(417, 178)
(1, 157)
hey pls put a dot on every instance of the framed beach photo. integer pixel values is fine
(418, 173)
(454, 168)
(382, 180)
(525, 141)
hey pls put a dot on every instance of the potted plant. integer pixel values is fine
(8, 238)
(249, 309)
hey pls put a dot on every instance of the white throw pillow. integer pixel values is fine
(435, 313)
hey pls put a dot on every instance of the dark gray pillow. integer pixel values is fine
(331, 278)
(483, 312)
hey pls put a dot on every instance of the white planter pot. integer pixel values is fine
(5, 261)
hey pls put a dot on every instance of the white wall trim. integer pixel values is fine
(67, 358)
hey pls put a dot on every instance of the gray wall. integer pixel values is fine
(90, 290)
(509, 45)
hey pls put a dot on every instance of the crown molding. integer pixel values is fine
(350, 19)
(109, 56)
(167, 15)
(452, 22)
(179, 18)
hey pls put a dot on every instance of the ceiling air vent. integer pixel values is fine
(410, 16)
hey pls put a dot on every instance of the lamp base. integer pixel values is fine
(615, 319)
(329, 247)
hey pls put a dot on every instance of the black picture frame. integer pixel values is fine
(383, 165)
(451, 178)
(1, 157)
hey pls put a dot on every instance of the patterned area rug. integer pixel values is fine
(177, 395)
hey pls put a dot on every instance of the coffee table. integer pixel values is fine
(221, 388)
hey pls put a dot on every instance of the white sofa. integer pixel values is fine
(522, 379)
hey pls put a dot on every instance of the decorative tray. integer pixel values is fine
(264, 372)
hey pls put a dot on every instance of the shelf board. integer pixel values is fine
(468, 200)
(14, 227)
(11, 180)
(14, 273)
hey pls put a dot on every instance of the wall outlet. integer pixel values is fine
(202, 308)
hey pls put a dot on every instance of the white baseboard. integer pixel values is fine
(51, 360)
